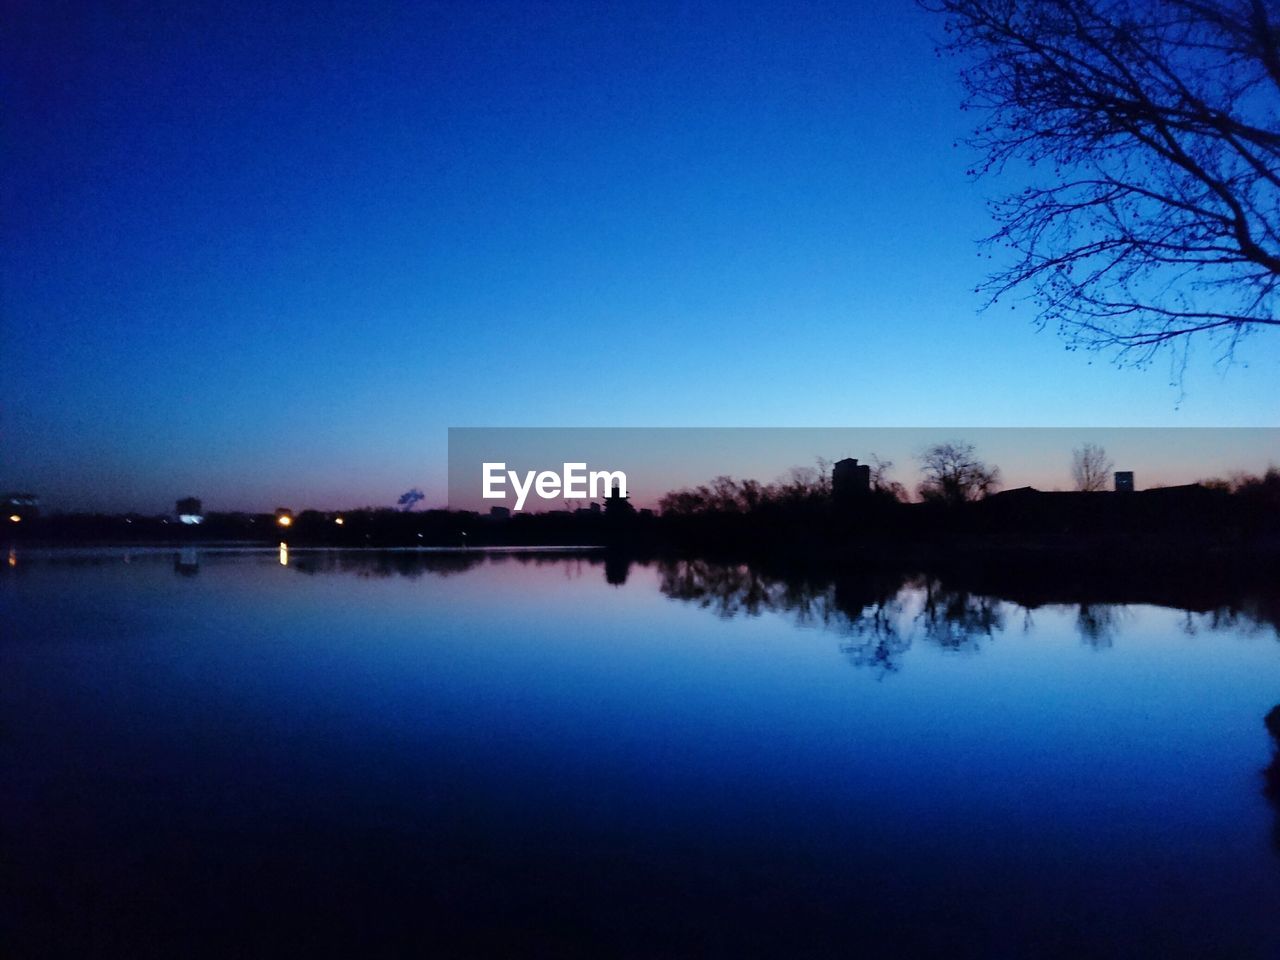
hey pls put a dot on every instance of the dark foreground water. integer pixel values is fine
(258, 755)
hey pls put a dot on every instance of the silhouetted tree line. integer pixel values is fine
(367, 527)
(957, 506)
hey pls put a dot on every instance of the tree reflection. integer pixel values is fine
(1271, 775)
(873, 616)
(1098, 623)
(876, 615)
(957, 619)
(1250, 614)
(879, 615)
(726, 590)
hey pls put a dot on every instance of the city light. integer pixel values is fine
(338, 520)
(284, 520)
(14, 518)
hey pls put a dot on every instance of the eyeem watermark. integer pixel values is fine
(575, 482)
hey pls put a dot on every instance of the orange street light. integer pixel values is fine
(284, 520)
(339, 521)
(14, 518)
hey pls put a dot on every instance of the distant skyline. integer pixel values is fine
(659, 460)
(269, 253)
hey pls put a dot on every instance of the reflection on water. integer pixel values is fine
(1099, 623)
(878, 604)
(388, 563)
(461, 753)
(1271, 776)
(879, 615)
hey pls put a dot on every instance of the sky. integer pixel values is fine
(267, 254)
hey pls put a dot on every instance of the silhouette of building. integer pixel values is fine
(616, 505)
(500, 513)
(23, 506)
(1124, 481)
(188, 510)
(850, 479)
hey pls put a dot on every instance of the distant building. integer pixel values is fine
(850, 479)
(500, 513)
(617, 505)
(23, 506)
(1124, 481)
(188, 510)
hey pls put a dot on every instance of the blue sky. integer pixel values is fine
(268, 253)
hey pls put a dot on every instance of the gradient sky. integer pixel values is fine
(268, 253)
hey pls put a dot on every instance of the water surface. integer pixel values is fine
(266, 753)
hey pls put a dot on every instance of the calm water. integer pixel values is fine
(243, 753)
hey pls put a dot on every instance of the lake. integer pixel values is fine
(264, 753)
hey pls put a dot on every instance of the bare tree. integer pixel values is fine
(1150, 130)
(880, 482)
(954, 474)
(1091, 467)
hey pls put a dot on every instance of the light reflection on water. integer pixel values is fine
(573, 754)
